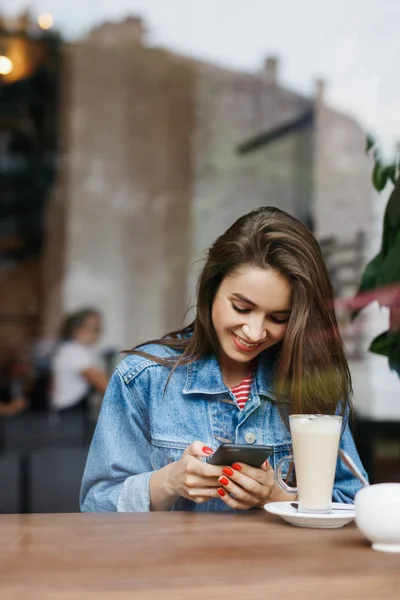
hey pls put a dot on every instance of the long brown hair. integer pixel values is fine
(311, 368)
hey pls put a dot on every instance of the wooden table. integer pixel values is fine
(253, 556)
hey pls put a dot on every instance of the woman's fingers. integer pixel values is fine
(195, 481)
(232, 502)
(251, 479)
(250, 493)
(252, 472)
(198, 450)
(246, 486)
(203, 469)
(239, 486)
(194, 456)
(200, 495)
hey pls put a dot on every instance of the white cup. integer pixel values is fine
(378, 515)
(315, 440)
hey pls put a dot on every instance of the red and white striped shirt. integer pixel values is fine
(242, 391)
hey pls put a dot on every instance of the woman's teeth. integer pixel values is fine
(245, 343)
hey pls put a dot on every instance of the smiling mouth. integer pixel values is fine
(242, 341)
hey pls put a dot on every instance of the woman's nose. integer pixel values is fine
(254, 332)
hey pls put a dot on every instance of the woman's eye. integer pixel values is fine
(240, 310)
(280, 321)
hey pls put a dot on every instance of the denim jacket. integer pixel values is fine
(141, 429)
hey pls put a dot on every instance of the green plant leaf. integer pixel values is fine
(391, 220)
(394, 352)
(392, 212)
(390, 173)
(371, 273)
(382, 344)
(390, 268)
(368, 281)
(369, 143)
(379, 176)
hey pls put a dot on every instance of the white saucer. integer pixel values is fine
(321, 520)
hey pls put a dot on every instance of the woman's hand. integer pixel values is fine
(189, 477)
(244, 487)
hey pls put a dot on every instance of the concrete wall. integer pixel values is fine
(342, 183)
(129, 185)
(152, 177)
(232, 107)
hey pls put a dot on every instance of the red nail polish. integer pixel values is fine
(207, 450)
(236, 467)
(221, 492)
(228, 471)
(223, 480)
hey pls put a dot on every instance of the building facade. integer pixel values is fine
(158, 154)
(154, 170)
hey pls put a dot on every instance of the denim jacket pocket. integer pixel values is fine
(164, 452)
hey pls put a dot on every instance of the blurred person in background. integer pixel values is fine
(76, 368)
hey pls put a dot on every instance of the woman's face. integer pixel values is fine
(250, 313)
(89, 332)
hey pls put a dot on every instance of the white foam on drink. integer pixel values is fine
(315, 425)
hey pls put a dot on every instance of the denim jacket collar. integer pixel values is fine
(205, 377)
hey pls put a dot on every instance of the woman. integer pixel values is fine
(265, 321)
(75, 367)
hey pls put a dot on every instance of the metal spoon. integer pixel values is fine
(334, 509)
(350, 464)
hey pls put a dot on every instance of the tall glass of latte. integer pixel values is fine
(315, 440)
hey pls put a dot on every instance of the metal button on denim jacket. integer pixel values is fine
(142, 427)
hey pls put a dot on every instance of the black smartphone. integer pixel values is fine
(227, 454)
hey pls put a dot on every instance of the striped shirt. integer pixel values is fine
(242, 391)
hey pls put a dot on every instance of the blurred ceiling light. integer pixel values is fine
(45, 21)
(6, 65)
